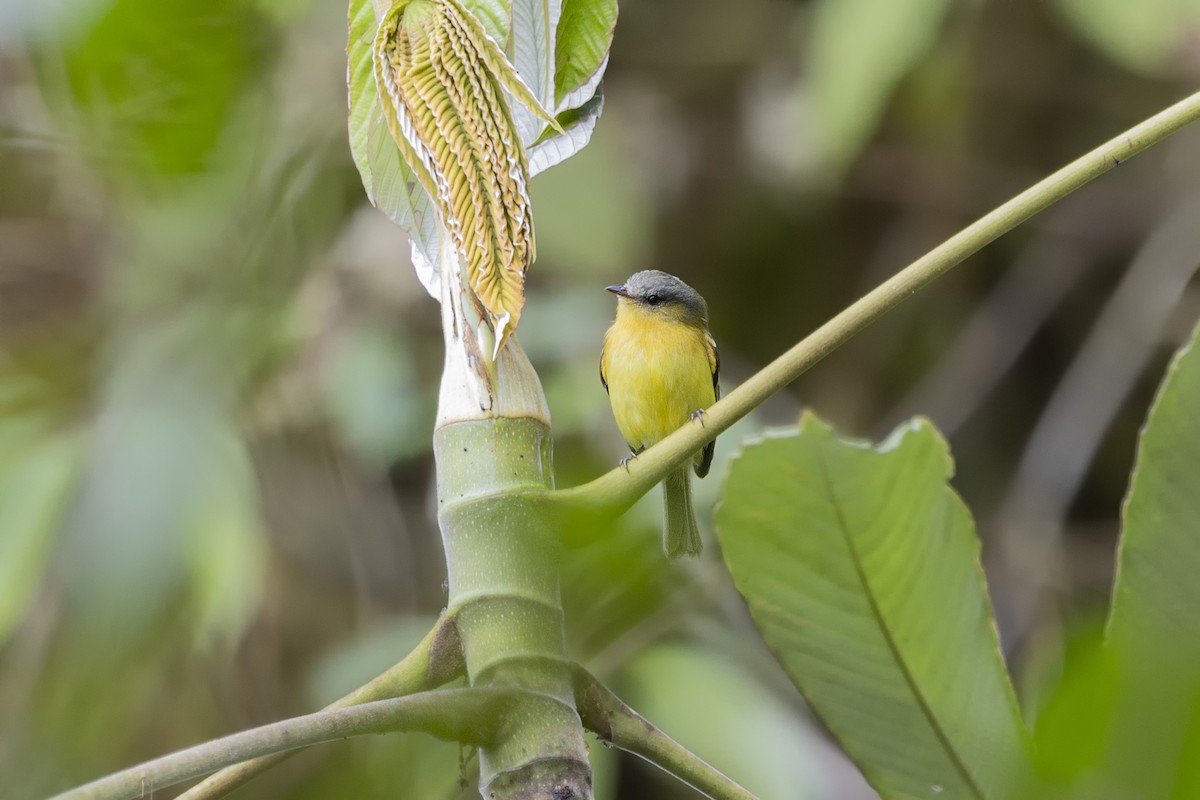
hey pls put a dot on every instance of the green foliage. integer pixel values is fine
(1152, 630)
(423, 766)
(1075, 718)
(1108, 728)
(373, 396)
(449, 94)
(861, 570)
(616, 206)
(700, 696)
(37, 472)
(389, 184)
(1149, 36)
(135, 551)
(141, 486)
(225, 539)
(585, 35)
(1156, 592)
(229, 195)
(494, 14)
(156, 82)
(857, 52)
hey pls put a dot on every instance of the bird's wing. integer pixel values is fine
(714, 363)
(603, 379)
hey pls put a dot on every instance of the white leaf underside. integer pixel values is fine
(396, 190)
(560, 147)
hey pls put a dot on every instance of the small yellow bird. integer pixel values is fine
(660, 368)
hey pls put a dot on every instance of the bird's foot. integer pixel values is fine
(698, 414)
(625, 461)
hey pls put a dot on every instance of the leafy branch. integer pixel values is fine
(617, 490)
(472, 716)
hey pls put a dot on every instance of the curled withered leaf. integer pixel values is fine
(441, 81)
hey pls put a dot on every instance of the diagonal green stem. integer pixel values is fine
(607, 716)
(437, 660)
(618, 489)
(465, 715)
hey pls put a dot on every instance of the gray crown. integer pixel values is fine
(652, 283)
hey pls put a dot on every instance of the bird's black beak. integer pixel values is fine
(620, 291)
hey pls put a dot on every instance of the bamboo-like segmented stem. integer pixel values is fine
(502, 565)
(493, 447)
(618, 489)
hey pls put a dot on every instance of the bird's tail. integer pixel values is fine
(681, 536)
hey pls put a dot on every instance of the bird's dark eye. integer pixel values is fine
(653, 299)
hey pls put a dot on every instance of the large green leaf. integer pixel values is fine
(1153, 632)
(1157, 593)
(390, 184)
(861, 570)
(495, 16)
(585, 33)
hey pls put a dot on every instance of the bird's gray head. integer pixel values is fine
(655, 290)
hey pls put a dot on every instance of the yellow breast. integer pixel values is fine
(659, 372)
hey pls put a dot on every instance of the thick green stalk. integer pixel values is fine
(503, 582)
(492, 445)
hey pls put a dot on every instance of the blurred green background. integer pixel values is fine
(218, 372)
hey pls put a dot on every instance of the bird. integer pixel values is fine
(660, 367)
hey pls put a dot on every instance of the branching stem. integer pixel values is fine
(437, 660)
(607, 716)
(464, 715)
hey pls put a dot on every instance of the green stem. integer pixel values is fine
(437, 660)
(615, 491)
(605, 715)
(464, 715)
